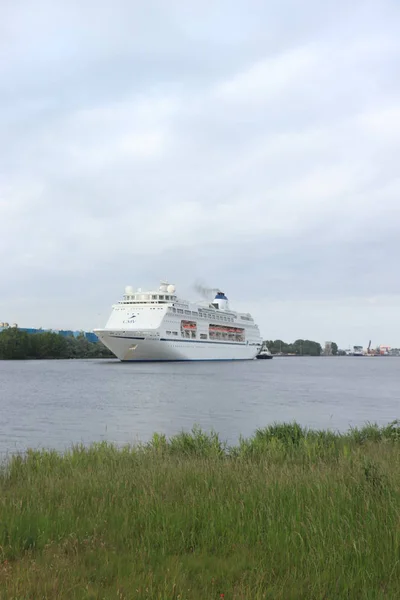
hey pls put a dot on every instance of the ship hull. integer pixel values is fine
(128, 348)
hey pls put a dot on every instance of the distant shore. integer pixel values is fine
(16, 344)
(288, 513)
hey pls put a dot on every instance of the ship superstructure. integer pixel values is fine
(159, 326)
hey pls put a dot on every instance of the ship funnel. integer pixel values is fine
(221, 301)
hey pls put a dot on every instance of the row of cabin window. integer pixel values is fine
(188, 334)
(145, 297)
(206, 316)
(163, 297)
(217, 317)
(136, 302)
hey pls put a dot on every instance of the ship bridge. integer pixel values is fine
(164, 295)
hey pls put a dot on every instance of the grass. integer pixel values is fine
(289, 513)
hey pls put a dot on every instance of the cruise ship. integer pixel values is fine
(160, 326)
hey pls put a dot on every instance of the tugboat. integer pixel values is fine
(264, 353)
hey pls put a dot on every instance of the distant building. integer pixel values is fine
(383, 350)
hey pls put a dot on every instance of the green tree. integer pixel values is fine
(307, 348)
(49, 345)
(17, 344)
(14, 344)
(299, 347)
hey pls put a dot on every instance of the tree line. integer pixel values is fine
(16, 344)
(299, 347)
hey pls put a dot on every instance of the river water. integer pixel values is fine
(55, 404)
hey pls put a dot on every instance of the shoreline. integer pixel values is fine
(287, 513)
(286, 436)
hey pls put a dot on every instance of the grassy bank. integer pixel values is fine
(286, 514)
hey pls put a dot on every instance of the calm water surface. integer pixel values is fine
(57, 403)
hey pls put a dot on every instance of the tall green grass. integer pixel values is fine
(289, 513)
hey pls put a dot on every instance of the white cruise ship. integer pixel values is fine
(159, 326)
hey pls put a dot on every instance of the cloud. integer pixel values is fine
(269, 78)
(257, 149)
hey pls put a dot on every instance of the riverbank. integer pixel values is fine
(16, 344)
(285, 514)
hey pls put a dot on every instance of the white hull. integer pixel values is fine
(128, 348)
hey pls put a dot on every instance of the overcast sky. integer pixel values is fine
(253, 145)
